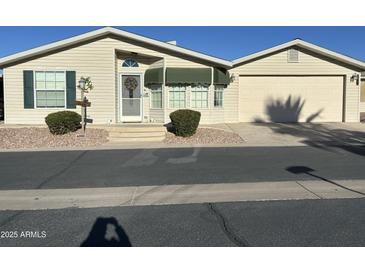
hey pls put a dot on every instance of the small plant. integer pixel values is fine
(185, 122)
(63, 122)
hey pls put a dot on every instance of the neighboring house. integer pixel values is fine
(1, 99)
(362, 95)
(138, 79)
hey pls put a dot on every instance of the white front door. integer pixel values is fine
(131, 98)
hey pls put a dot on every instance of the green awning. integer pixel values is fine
(188, 76)
(153, 76)
(221, 77)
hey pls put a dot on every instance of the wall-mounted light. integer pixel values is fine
(82, 83)
(355, 78)
(232, 78)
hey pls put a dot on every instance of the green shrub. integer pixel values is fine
(63, 122)
(185, 122)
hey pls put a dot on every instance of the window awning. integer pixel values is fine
(188, 76)
(153, 76)
(221, 77)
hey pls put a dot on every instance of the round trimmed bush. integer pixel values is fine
(185, 122)
(63, 122)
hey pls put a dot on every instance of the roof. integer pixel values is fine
(59, 45)
(109, 31)
(300, 43)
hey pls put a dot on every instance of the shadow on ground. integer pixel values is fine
(107, 232)
(313, 134)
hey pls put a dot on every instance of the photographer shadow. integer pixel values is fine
(107, 232)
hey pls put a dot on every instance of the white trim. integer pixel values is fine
(35, 90)
(131, 118)
(305, 45)
(106, 31)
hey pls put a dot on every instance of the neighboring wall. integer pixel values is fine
(362, 96)
(309, 64)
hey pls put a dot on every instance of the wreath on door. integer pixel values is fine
(131, 83)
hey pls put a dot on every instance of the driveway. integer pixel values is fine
(298, 134)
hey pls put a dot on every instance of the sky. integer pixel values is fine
(224, 42)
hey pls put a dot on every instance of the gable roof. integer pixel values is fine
(59, 45)
(300, 43)
(109, 31)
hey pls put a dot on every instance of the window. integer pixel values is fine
(218, 95)
(293, 56)
(199, 96)
(177, 96)
(130, 63)
(50, 89)
(156, 96)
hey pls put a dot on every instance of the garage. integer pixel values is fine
(303, 98)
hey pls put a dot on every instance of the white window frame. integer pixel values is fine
(191, 96)
(151, 91)
(130, 67)
(222, 91)
(35, 89)
(168, 95)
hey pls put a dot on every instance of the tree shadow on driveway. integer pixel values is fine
(319, 135)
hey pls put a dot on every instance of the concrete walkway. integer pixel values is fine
(178, 194)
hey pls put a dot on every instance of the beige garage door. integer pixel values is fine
(291, 98)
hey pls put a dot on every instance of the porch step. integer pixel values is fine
(134, 128)
(135, 140)
(134, 133)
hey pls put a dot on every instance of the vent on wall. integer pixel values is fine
(293, 56)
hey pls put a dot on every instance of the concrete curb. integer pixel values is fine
(177, 194)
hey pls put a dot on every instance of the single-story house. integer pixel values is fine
(139, 79)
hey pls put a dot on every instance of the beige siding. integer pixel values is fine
(94, 59)
(309, 64)
(101, 60)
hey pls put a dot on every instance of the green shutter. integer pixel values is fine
(70, 89)
(188, 76)
(28, 83)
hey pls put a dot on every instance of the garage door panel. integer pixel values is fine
(291, 99)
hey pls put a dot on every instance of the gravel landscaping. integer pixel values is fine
(32, 137)
(205, 136)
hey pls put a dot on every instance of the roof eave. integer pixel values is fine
(102, 32)
(305, 45)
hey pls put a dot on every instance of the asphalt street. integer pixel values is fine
(142, 167)
(276, 223)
